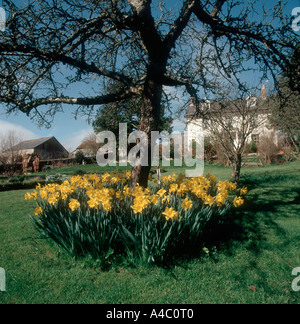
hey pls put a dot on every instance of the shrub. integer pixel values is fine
(253, 147)
(267, 149)
(222, 158)
(209, 150)
(79, 157)
(102, 216)
(56, 178)
(79, 172)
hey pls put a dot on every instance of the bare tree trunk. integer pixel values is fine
(150, 114)
(236, 167)
(295, 146)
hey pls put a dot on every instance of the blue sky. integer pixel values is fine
(69, 131)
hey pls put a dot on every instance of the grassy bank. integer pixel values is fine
(251, 262)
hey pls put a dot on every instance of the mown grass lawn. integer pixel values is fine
(252, 263)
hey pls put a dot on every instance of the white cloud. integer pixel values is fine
(73, 140)
(22, 132)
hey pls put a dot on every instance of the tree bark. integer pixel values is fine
(150, 114)
(236, 167)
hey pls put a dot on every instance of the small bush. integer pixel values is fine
(79, 157)
(253, 147)
(102, 217)
(56, 178)
(79, 172)
(221, 156)
(209, 151)
(267, 149)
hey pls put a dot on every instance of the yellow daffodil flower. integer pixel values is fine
(74, 204)
(93, 203)
(186, 204)
(244, 191)
(220, 200)
(28, 196)
(38, 211)
(154, 199)
(209, 200)
(238, 201)
(170, 213)
(52, 200)
(161, 192)
(173, 188)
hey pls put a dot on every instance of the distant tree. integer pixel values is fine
(145, 45)
(231, 120)
(285, 108)
(90, 143)
(9, 154)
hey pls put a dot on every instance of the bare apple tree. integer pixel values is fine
(51, 47)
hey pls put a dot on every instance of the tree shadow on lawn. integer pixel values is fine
(255, 181)
(251, 225)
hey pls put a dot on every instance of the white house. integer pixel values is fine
(236, 115)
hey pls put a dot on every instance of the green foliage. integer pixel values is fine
(253, 147)
(79, 157)
(56, 178)
(158, 241)
(79, 233)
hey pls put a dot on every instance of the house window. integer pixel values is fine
(255, 139)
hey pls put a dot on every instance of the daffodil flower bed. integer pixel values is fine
(101, 216)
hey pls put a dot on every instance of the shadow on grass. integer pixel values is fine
(254, 181)
(250, 226)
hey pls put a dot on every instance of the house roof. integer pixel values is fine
(228, 107)
(31, 144)
(86, 145)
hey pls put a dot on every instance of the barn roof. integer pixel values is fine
(31, 144)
